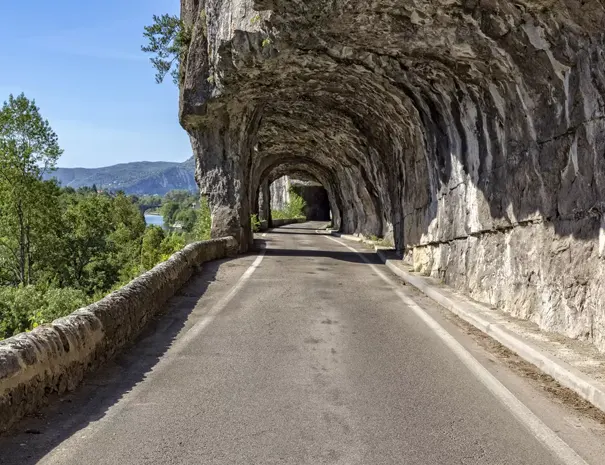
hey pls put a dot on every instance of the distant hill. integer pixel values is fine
(141, 178)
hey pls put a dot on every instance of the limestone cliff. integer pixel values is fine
(279, 193)
(470, 132)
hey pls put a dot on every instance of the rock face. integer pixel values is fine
(470, 132)
(280, 195)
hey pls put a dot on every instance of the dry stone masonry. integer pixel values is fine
(471, 133)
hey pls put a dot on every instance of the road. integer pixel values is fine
(304, 353)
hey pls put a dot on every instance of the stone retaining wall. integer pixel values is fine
(278, 223)
(54, 358)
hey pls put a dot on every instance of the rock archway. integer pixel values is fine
(471, 133)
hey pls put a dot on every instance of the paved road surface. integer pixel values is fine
(305, 355)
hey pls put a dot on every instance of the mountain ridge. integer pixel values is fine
(140, 177)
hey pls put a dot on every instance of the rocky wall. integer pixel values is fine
(54, 358)
(280, 195)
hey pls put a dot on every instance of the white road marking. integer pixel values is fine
(69, 448)
(523, 414)
(182, 342)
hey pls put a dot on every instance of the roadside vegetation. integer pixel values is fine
(60, 248)
(295, 208)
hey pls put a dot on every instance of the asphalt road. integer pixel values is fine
(305, 355)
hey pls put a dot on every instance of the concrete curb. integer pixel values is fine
(568, 376)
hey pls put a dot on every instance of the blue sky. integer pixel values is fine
(81, 62)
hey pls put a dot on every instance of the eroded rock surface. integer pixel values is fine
(280, 195)
(469, 132)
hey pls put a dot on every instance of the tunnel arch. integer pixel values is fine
(470, 133)
(296, 168)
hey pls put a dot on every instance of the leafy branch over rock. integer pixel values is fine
(168, 39)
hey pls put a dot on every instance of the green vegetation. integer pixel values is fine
(379, 241)
(255, 223)
(22, 308)
(267, 42)
(168, 38)
(61, 248)
(28, 147)
(295, 208)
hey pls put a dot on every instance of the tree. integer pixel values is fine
(203, 225)
(87, 222)
(168, 38)
(187, 218)
(102, 241)
(172, 244)
(28, 149)
(180, 196)
(151, 254)
(126, 238)
(169, 211)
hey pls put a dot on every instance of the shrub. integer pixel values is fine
(60, 302)
(295, 208)
(172, 244)
(26, 307)
(255, 223)
(203, 224)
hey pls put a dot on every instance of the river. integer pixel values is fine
(154, 220)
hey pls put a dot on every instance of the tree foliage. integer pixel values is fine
(295, 208)
(203, 224)
(28, 148)
(151, 253)
(168, 40)
(25, 307)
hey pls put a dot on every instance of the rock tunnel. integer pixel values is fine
(470, 133)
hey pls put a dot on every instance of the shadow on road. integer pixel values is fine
(344, 256)
(297, 232)
(296, 227)
(35, 436)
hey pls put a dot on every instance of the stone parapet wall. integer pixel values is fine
(54, 358)
(284, 222)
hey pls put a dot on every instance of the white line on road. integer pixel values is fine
(220, 305)
(69, 448)
(523, 414)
